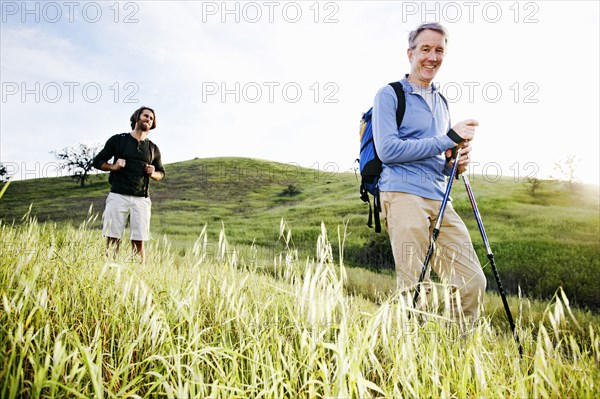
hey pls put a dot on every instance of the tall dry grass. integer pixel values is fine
(215, 324)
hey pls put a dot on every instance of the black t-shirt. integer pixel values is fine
(129, 180)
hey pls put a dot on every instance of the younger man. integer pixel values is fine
(136, 160)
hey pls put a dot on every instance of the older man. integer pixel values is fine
(417, 160)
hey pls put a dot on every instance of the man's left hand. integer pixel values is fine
(465, 157)
(150, 169)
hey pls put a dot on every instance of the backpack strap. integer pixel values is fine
(445, 100)
(151, 147)
(121, 143)
(377, 206)
(397, 86)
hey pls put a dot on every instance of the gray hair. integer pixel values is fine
(434, 26)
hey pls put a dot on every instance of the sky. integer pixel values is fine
(288, 81)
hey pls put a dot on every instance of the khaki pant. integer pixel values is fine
(122, 208)
(410, 220)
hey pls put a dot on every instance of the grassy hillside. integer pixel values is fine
(540, 243)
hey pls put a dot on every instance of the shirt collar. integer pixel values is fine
(409, 89)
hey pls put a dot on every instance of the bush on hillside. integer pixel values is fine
(290, 191)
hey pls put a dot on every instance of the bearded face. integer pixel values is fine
(145, 121)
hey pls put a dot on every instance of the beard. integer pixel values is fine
(142, 126)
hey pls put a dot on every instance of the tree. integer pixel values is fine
(78, 160)
(532, 184)
(3, 173)
(566, 169)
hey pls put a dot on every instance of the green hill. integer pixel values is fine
(540, 243)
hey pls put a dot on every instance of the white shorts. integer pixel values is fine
(119, 208)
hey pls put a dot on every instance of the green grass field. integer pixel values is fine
(540, 243)
(214, 322)
(245, 293)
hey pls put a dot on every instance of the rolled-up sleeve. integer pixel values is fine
(106, 153)
(157, 162)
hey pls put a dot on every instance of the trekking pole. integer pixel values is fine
(436, 229)
(490, 256)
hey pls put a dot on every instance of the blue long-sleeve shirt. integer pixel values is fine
(412, 155)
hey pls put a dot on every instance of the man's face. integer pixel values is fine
(145, 121)
(427, 56)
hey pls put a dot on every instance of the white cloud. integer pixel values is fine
(170, 55)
